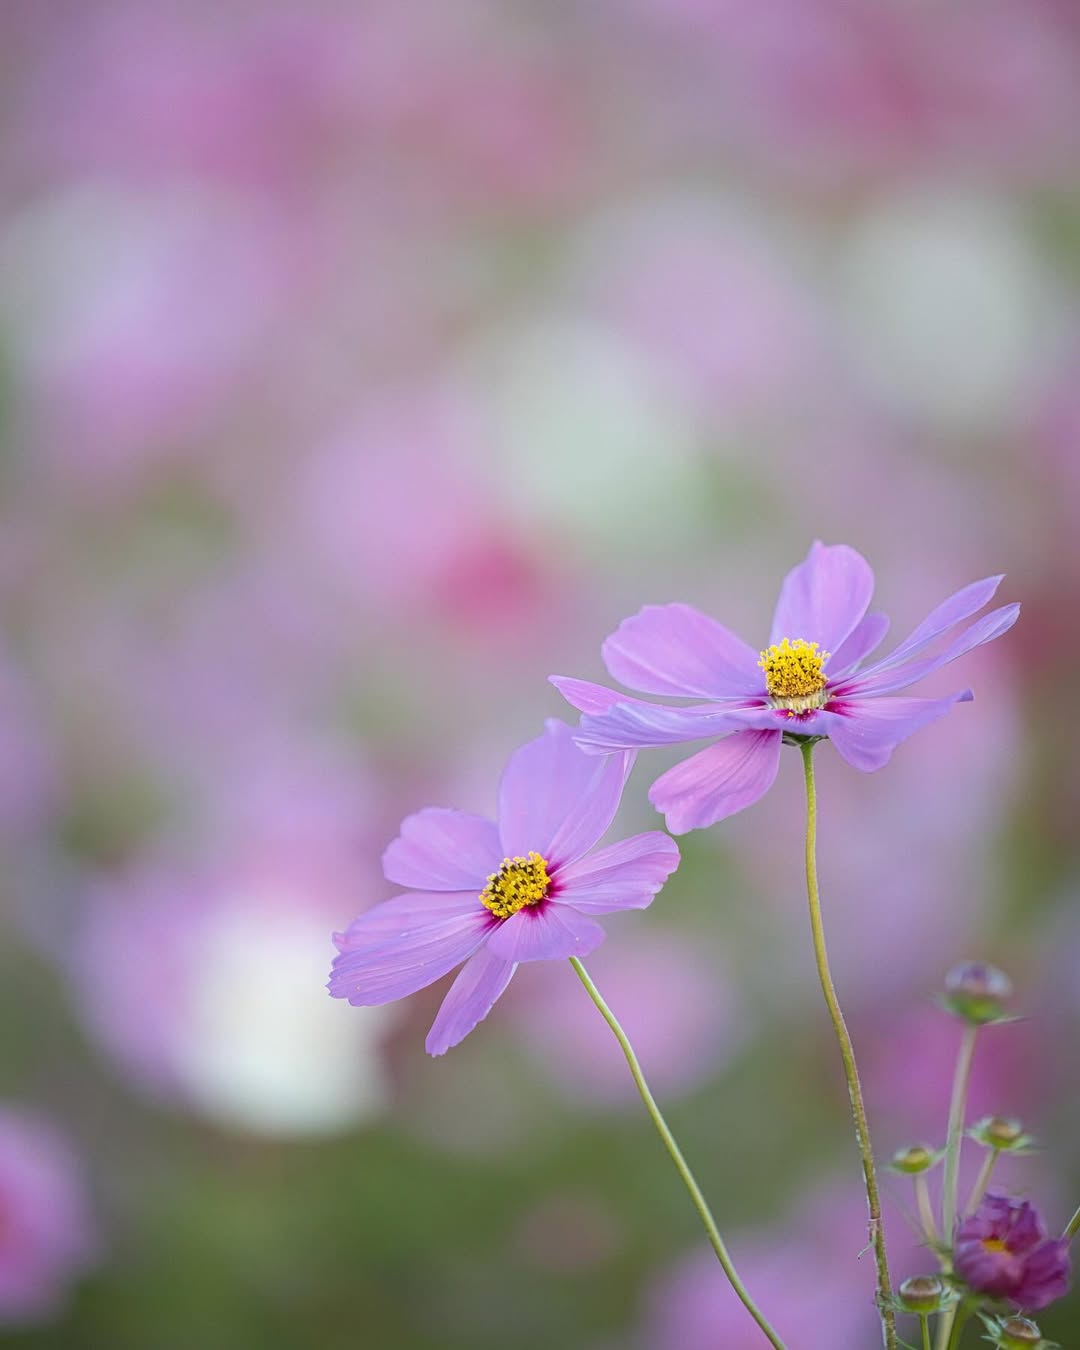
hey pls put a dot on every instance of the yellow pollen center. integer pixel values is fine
(994, 1245)
(794, 674)
(518, 882)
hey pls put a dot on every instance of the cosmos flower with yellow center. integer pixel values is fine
(808, 683)
(494, 894)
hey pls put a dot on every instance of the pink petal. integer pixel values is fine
(625, 875)
(718, 781)
(557, 800)
(406, 944)
(824, 597)
(443, 850)
(636, 725)
(859, 643)
(960, 605)
(882, 680)
(471, 997)
(675, 649)
(545, 932)
(866, 731)
(588, 697)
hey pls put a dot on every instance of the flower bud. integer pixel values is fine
(1002, 1133)
(976, 992)
(922, 1294)
(1018, 1333)
(916, 1158)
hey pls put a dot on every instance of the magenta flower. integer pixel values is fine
(1002, 1250)
(806, 683)
(492, 895)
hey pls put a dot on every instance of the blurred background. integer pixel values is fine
(362, 364)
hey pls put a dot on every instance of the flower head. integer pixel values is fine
(808, 682)
(492, 895)
(1003, 1251)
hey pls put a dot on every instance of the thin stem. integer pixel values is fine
(1073, 1226)
(700, 1203)
(925, 1320)
(952, 1167)
(982, 1180)
(961, 1323)
(847, 1054)
(956, 1127)
(926, 1209)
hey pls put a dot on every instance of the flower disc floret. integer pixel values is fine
(518, 883)
(795, 674)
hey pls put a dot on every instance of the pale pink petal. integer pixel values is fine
(556, 800)
(626, 726)
(824, 597)
(406, 944)
(960, 605)
(675, 649)
(443, 850)
(866, 731)
(625, 875)
(857, 646)
(886, 681)
(718, 781)
(545, 932)
(588, 697)
(478, 986)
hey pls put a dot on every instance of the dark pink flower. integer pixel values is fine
(807, 683)
(1002, 1250)
(493, 895)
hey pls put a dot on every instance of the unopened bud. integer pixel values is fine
(1018, 1333)
(977, 992)
(917, 1158)
(922, 1294)
(1002, 1133)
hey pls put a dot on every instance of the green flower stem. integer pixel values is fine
(952, 1166)
(925, 1208)
(925, 1322)
(1073, 1226)
(956, 1130)
(700, 1203)
(961, 1323)
(847, 1054)
(981, 1181)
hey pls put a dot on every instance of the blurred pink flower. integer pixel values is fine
(804, 1273)
(47, 1235)
(200, 975)
(673, 1000)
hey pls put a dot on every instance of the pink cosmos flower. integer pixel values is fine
(806, 684)
(1003, 1250)
(493, 895)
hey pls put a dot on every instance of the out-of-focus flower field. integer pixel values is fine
(362, 364)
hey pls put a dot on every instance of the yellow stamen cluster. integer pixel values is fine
(994, 1245)
(794, 674)
(518, 882)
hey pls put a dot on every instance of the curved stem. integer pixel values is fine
(847, 1054)
(926, 1209)
(958, 1329)
(952, 1166)
(956, 1128)
(700, 1203)
(1073, 1226)
(981, 1181)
